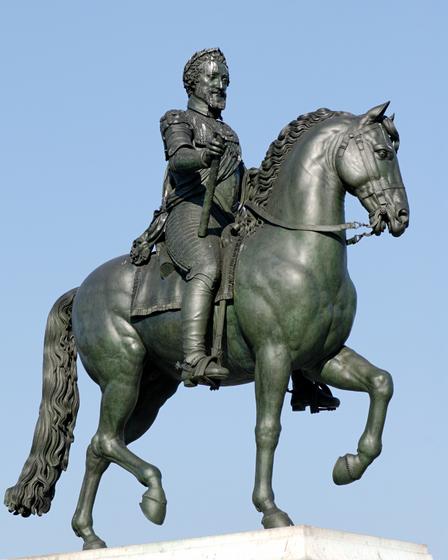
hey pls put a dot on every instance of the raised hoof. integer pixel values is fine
(97, 543)
(153, 505)
(347, 469)
(275, 519)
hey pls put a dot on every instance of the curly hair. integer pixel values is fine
(193, 66)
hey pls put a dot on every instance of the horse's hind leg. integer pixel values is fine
(82, 522)
(348, 370)
(153, 394)
(155, 390)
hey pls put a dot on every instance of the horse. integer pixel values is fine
(292, 310)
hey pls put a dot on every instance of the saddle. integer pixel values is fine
(155, 269)
(159, 286)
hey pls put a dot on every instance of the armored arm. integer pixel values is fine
(180, 151)
(187, 160)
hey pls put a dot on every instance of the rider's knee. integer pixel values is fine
(209, 273)
(383, 384)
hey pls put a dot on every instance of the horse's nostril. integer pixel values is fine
(403, 216)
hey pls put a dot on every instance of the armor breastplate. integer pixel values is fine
(192, 129)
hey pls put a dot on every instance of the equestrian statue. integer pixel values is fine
(240, 277)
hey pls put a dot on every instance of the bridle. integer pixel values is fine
(375, 186)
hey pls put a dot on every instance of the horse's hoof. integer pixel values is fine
(347, 469)
(153, 505)
(276, 518)
(93, 545)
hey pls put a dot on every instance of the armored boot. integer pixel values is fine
(310, 393)
(198, 367)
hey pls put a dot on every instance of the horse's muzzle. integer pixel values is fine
(398, 223)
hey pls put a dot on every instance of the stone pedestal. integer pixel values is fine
(291, 543)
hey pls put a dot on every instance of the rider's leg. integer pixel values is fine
(310, 393)
(196, 310)
(200, 260)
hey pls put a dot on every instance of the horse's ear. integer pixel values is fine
(376, 114)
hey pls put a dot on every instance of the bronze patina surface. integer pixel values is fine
(293, 307)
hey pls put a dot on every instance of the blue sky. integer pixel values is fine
(83, 87)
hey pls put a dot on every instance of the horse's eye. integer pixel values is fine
(382, 153)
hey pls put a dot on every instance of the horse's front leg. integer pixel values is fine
(348, 370)
(272, 370)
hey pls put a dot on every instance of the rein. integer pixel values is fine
(265, 216)
(375, 187)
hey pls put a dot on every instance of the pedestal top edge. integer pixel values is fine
(298, 532)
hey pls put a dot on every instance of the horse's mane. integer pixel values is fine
(263, 179)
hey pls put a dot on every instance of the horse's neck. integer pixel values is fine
(308, 189)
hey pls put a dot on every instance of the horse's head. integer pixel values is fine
(367, 164)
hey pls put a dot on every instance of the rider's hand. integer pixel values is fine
(141, 250)
(213, 149)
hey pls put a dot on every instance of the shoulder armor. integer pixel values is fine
(176, 132)
(173, 117)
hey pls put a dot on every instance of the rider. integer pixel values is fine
(193, 139)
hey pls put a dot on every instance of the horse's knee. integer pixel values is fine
(267, 434)
(382, 385)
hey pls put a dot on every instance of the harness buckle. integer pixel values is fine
(357, 225)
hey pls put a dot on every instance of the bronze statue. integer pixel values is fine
(290, 311)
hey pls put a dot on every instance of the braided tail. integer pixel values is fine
(53, 434)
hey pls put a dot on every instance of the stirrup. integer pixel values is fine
(202, 374)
